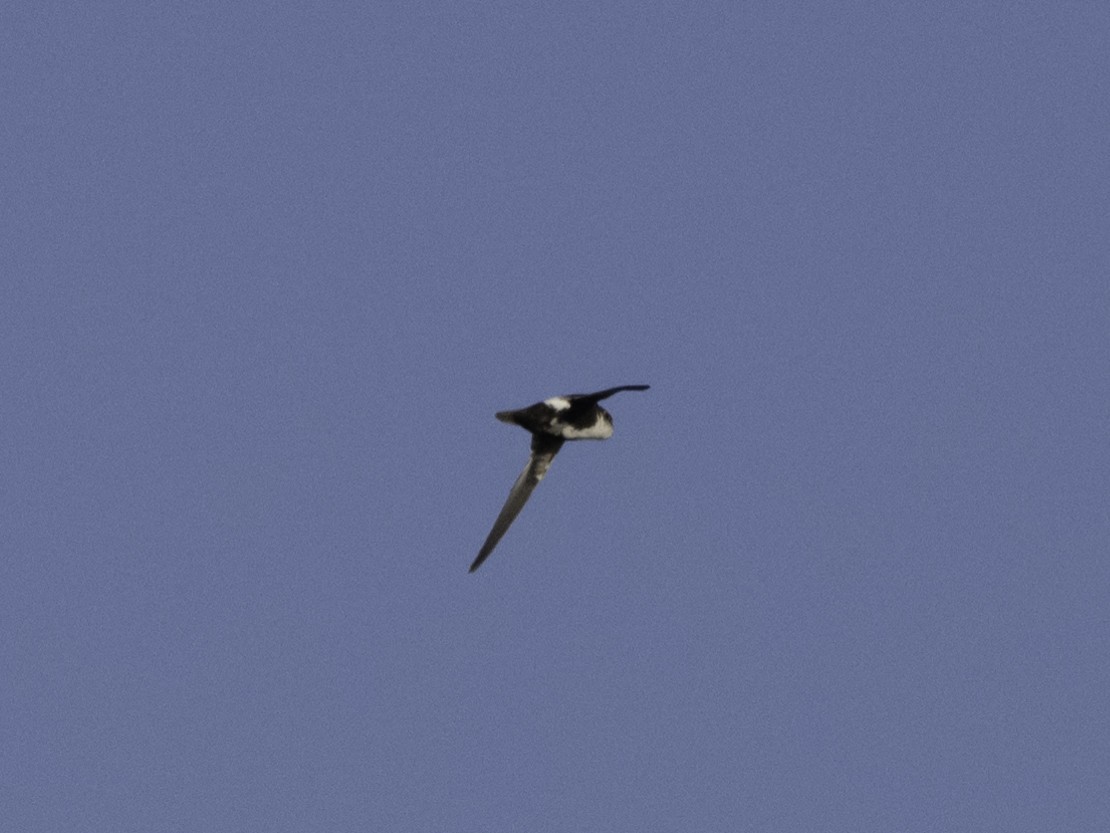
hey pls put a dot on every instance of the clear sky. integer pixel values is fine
(267, 273)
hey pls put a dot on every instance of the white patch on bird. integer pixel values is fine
(558, 403)
(600, 430)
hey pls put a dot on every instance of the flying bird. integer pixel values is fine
(552, 422)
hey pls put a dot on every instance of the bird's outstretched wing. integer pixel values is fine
(544, 449)
(605, 394)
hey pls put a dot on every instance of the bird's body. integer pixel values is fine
(551, 423)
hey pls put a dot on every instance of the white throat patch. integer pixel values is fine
(558, 403)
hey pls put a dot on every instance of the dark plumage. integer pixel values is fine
(552, 422)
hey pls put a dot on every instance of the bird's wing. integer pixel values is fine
(544, 449)
(605, 394)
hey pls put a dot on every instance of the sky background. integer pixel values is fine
(267, 272)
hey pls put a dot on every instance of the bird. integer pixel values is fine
(575, 416)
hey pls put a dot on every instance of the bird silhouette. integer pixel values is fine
(552, 422)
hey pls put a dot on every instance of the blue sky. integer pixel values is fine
(268, 273)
